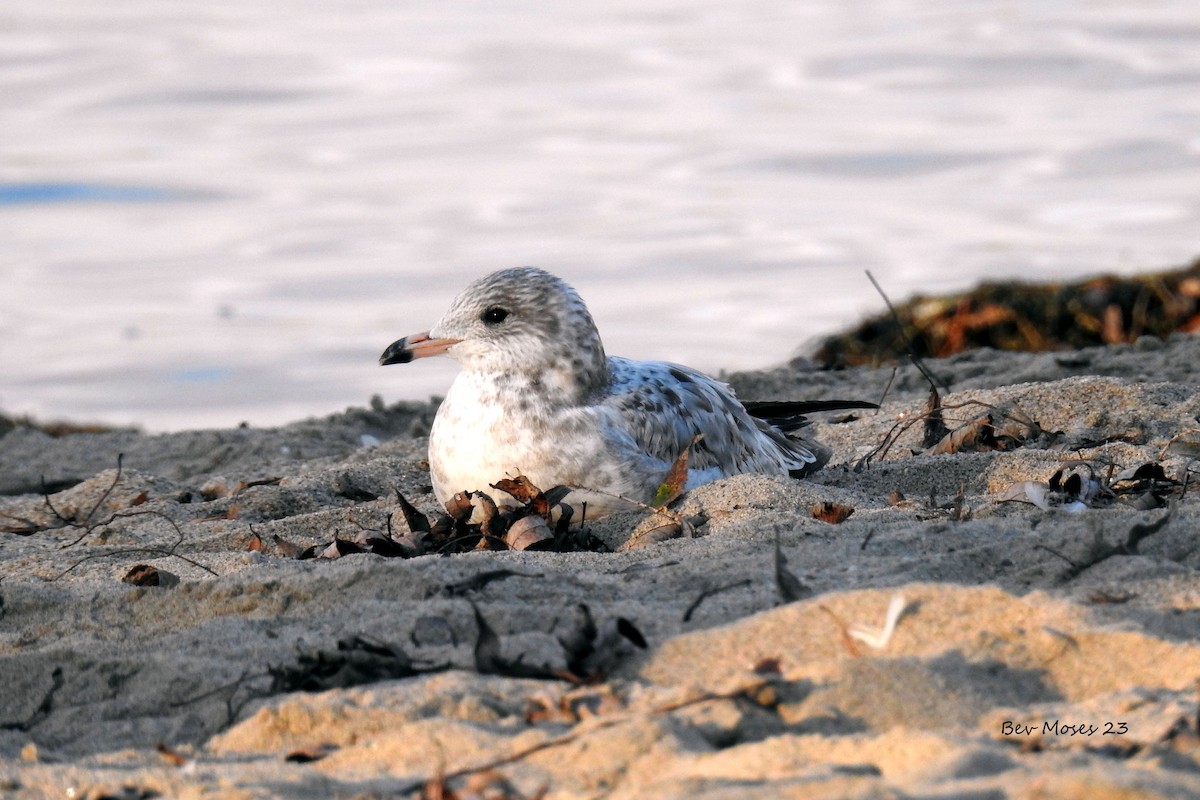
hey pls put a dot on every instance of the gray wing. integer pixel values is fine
(664, 406)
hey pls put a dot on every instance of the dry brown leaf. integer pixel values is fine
(1186, 444)
(244, 485)
(286, 548)
(833, 513)
(934, 428)
(978, 435)
(172, 756)
(768, 666)
(529, 533)
(652, 530)
(489, 514)
(142, 575)
(1109, 597)
(676, 480)
(519, 487)
(414, 520)
(460, 507)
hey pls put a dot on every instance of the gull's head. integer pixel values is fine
(522, 320)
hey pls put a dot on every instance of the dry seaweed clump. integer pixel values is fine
(1025, 317)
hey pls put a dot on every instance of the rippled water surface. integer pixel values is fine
(215, 211)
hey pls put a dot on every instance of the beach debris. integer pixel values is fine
(529, 533)
(993, 429)
(573, 706)
(44, 708)
(661, 526)
(1078, 487)
(218, 487)
(594, 651)
(21, 526)
(1145, 486)
(1110, 597)
(878, 638)
(707, 593)
(538, 502)
(768, 667)
(674, 483)
(844, 629)
(345, 486)
(356, 661)
(1186, 444)
(474, 520)
(489, 659)
(307, 755)
(590, 652)
(477, 582)
(934, 428)
(1101, 550)
(414, 520)
(1029, 317)
(128, 791)
(286, 549)
(147, 575)
(91, 521)
(171, 755)
(789, 586)
(77, 518)
(833, 513)
(664, 524)
(1073, 489)
(990, 431)
(757, 689)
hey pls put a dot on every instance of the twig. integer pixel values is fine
(912, 351)
(1102, 550)
(44, 707)
(900, 428)
(888, 388)
(86, 524)
(169, 552)
(707, 593)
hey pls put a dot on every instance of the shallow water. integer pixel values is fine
(215, 212)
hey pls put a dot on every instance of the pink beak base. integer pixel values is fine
(410, 348)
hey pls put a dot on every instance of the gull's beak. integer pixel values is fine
(419, 345)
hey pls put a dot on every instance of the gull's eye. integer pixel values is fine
(494, 315)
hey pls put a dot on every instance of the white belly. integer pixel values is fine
(475, 442)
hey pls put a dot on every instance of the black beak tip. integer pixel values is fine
(396, 353)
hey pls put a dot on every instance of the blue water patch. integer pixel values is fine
(12, 194)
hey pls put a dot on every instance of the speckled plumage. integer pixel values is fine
(537, 396)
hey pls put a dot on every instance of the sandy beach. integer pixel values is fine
(1015, 616)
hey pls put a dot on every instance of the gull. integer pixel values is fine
(537, 396)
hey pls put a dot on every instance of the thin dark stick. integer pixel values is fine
(912, 352)
(707, 593)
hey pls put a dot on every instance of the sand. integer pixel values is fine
(1033, 656)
